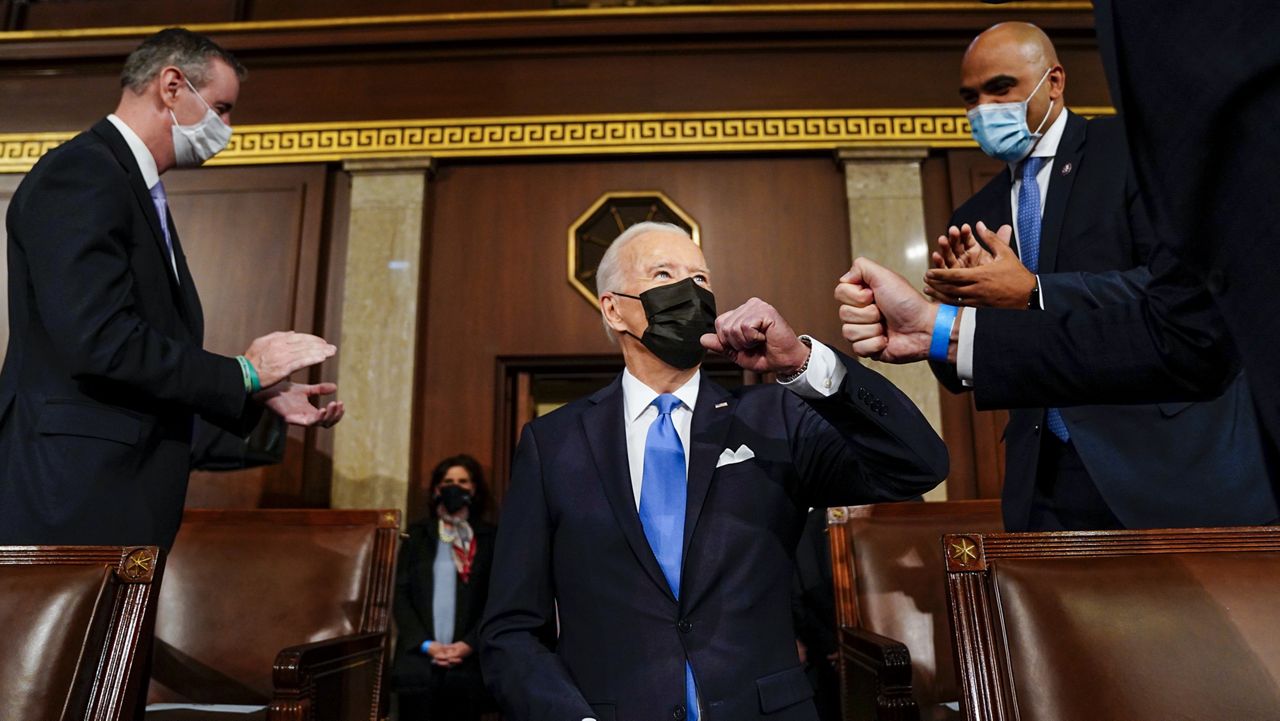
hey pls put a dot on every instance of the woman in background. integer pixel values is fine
(442, 584)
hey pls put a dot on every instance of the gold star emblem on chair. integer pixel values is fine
(138, 564)
(964, 552)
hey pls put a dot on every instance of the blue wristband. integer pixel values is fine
(941, 342)
(425, 645)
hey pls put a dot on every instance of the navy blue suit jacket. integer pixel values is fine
(1206, 159)
(571, 549)
(104, 374)
(1157, 465)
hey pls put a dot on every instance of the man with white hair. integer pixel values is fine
(643, 567)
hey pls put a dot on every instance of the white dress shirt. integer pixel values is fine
(146, 163)
(822, 378)
(1047, 147)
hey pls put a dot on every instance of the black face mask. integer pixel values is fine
(679, 314)
(454, 498)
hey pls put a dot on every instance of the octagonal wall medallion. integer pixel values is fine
(612, 213)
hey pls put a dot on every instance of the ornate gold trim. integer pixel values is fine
(619, 134)
(695, 231)
(907, 6)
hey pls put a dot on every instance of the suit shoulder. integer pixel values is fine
(983, 203)
(83, 162)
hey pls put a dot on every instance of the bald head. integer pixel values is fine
(1006, 63)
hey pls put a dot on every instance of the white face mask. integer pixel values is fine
(194, 144)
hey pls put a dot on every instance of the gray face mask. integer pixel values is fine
(195, 144)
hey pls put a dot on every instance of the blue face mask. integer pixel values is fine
(1001, 128)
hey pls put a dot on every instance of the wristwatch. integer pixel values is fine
(1033, 301)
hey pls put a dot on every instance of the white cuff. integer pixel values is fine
(964, 351)
(1040, 295)
(823, 376)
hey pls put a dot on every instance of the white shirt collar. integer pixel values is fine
(1047, 147)
(636, 396)
(146, 162)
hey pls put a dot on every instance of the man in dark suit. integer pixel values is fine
(644, 561)
(1199, 89)
(1086, 467)
(104, 373)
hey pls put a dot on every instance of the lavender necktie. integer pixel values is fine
(162, 209)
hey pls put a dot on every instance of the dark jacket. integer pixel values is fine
(1158, 465)
(572, 551)
(104, 373)
(1206, 160)
(415, 588)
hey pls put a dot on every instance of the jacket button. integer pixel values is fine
(678, 713)
(862, 394)
(1035, 428)
(684, 626)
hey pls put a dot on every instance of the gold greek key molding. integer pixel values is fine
(967, 7)
(619, 134)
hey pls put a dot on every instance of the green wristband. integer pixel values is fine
(252, 384)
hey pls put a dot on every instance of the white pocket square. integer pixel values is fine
(729, 457)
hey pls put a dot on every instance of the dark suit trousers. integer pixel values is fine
(1065, 497)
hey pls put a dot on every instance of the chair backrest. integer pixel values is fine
(74, 619)
(1135, 625)
(887, 567)
(241, 585)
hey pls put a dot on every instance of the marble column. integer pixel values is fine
(886, 223)
(372, 450)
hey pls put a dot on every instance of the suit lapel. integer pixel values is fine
(606, 433)
(711, 420)
(116, 143)
(191, 309)
(1066, 163)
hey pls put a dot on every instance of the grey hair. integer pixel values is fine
(609, 274)
(181, 48)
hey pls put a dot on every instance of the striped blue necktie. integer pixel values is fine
(1029, 221)
(663, 493)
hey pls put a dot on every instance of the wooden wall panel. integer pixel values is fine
(440, 81)
(293, 9)
(772, 227)
(62, 14)
(252, 239)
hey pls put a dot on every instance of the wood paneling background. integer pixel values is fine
(267, 244)
(772, 227)
(253, 240)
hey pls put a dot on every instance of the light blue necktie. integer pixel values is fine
(663, 491)
(161, 201)
(1029, 221)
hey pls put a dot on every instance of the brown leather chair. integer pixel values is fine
(1133, 625)
(896, 660)
(74, 619)
(276, 614)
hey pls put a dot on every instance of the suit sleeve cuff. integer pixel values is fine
(964, 350)
(823, 376)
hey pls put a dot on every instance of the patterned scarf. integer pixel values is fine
(455, 531)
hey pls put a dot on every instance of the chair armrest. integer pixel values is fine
(337, 679)
(875, 677)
